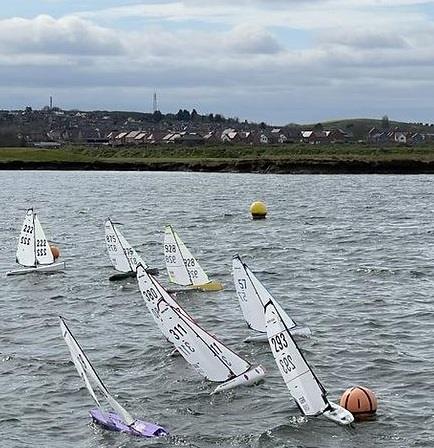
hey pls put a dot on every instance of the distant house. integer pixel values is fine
(264, 139)
(120, 139)
(212, 137)
(231, 136)
(278, 136)
(155, 137)
(140, 138)
(190, 139)
(378, 137)
(337, 135)
(171, 137)
(130, 137)
(399, 137)
(315, 137)
(415, 138)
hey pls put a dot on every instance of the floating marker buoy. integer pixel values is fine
(55, 251)
(258, 210)
(360, 401)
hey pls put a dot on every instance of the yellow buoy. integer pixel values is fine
(258, 210)
(55, 251)
(360, 401)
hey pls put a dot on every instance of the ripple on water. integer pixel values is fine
(349, 256)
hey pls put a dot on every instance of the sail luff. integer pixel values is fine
(25, 254)
(80, 356)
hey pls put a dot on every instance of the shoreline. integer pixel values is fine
(260, 166)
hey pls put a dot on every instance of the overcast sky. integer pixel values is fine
(278, 61)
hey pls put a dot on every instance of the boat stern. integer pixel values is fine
(248, 378)
(210, 286)
(112, 422)
(339, 415)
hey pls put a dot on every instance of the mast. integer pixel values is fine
(34, 239)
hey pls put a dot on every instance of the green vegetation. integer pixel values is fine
(279, 158)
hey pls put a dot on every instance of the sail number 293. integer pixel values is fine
(279, 342)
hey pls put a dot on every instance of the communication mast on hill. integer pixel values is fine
(154, 103)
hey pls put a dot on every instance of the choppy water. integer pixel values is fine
(350, 256)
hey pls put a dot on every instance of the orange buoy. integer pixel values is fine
(55, 251)
(360, 401)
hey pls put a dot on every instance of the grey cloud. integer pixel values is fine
(363, 39)
(67, 35)
(246, 39)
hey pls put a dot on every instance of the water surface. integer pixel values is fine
(350, 256)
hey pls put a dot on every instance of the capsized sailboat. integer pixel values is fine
(302, 383)
(122, 255)
(33, 251)
(120, 420)
(182, 268)
(210, 357)
(252, 296)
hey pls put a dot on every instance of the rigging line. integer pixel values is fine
(247, 269)
(85, 356)
(34, 239)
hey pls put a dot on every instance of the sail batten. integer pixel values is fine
(88, 373)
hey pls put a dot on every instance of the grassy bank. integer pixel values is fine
(279, 158)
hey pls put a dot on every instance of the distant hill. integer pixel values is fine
(361, 126)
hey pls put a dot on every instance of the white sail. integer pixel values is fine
(252, 296)
(88, 373)
(206, 354)
(182, 268)
(123, 257)
(303, 385)
(154, 294)
(26, 241)
(42, 248)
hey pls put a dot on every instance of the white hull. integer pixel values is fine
(41, 268)
(252, 376)
(339, 415)
(297, 332)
